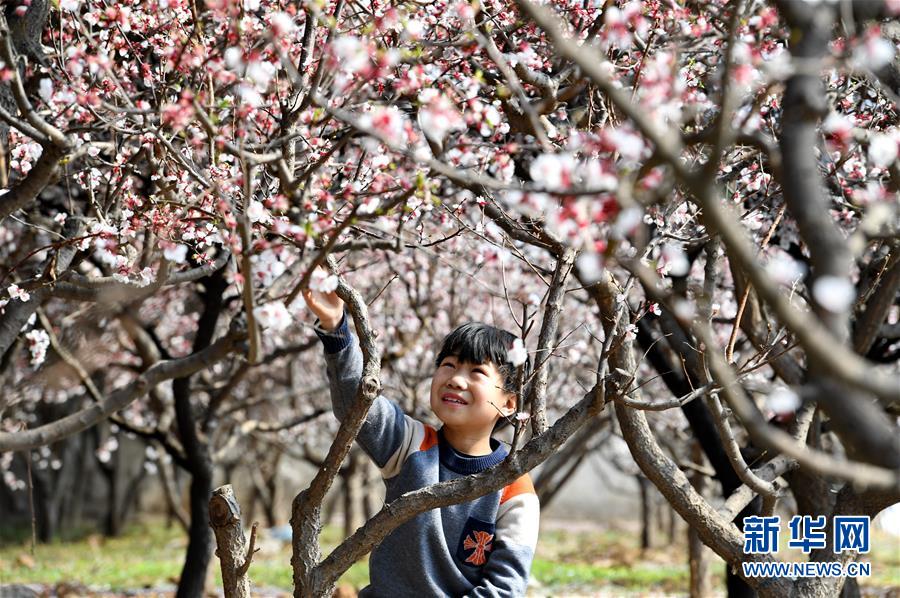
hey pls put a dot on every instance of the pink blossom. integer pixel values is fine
(274, 316)
(874, 51)
(351, 53)
(555, 172)
(386, 122)
(438, 116)
(282, 24)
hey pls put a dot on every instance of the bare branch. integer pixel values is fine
(87, 417)
(549, 327)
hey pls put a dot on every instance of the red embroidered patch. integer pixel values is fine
(481, 544)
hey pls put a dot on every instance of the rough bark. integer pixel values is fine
(231, 548)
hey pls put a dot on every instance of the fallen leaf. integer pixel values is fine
(25, 560)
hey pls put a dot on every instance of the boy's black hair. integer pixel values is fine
(476, 342)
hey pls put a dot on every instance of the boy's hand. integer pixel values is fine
(328, 307)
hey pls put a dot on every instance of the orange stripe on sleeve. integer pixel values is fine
(430, 439)
(521, 486)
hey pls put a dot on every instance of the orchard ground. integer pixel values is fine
(572, 560)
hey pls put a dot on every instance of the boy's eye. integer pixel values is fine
(480, 371)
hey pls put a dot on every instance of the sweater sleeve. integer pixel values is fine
(386, 427)
(505, 575)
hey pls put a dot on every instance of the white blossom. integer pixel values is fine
(438, 116)
(386, 122)
(882, 150)
(16, 293)
(590, 266)
(784, 269)
(282, 23)
(175, 252)
(518, 355)
(38, 341)
(257, 212)
(261, 74)
(351, 53)
(834, 293)
(323, 282)
(45, 89)
(234, 57)
(673, 260)
(782, 400)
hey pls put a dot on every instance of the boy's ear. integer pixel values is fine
(509, 404)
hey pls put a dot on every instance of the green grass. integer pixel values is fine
(566, 563)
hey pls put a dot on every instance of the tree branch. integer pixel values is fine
(164, 370)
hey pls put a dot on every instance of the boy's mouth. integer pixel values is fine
(453, 399)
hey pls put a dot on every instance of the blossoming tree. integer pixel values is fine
(690, 200)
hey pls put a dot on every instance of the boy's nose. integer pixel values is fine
(457, 381)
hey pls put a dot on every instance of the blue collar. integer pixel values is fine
(459, 462)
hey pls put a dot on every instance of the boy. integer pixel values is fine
(480, 548)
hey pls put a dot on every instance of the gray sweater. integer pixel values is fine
(483, 547)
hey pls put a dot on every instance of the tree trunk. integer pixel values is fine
(225, 520)
(643, 484)
(199, 462)
(200, 545)
(698, 553)
(352, 477)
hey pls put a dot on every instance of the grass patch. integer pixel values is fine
(144, 556)
(567, 562)
(556, 575)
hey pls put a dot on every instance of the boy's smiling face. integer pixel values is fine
(469, 397)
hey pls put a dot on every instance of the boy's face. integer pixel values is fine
(470, 397)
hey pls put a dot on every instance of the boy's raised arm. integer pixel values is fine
(384, 430)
